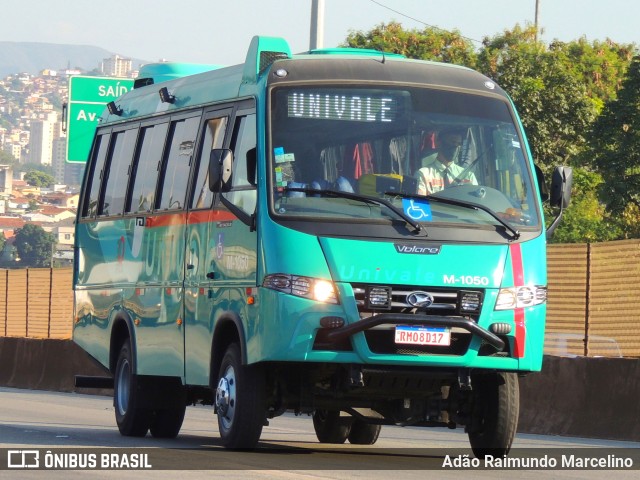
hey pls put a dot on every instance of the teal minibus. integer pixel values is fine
(345, 234)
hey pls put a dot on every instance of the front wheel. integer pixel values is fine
(240, 401)
(495, 410)
(132, 419)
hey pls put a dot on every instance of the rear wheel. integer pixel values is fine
(240, 401)
(363, 433)
(132, 419)
(330, 427)
(167, 422)
(495, 410)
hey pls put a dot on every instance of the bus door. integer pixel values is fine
(233, 238)
(201, 296)
(220, 241)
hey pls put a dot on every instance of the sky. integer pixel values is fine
(219, 31)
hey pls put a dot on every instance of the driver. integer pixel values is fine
(439, 169)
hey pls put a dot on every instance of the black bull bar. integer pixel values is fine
(342, 333)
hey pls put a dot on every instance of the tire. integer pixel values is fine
(495, 410)
(330, 427)
(166, 423)
(240, 401)
(132, 420)
(363, 433)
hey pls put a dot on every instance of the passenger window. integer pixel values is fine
(214, 133)
(124, 144)
(97, 165)
(182, 137)
(145, 176)
(243, 194)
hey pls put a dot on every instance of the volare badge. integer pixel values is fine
(417, 249)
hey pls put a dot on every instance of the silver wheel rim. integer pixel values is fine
(226, 398)
(124, 377)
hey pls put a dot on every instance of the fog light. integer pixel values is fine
(470, 301)
(331, 322)
(379, 298)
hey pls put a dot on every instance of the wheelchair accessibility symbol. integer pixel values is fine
(417, 209)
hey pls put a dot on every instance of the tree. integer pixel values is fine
(601, 65)
(428, 44)
(36, 178)
(34, 246)
(586, 219)
(27, 167)
(6, 158)
(554, 105)
(616, 146)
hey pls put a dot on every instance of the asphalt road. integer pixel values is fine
(81, 428)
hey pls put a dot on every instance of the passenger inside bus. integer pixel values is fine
(424, 163)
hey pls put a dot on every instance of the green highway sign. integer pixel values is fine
(87, 99)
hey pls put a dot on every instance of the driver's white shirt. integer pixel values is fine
(431, 177)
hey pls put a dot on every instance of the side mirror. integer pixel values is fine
(542, 184)
(561, 182)
(220, 163)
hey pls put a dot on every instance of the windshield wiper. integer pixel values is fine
(363, 198)
(461, 203)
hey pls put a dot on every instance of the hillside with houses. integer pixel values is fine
(33, 137)
(53, 209)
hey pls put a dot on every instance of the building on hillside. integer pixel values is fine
(6, 180)
(37, 217)
(59, 158)
(64, 235)
(43, 132)
(57, 214)
(13, 149)
(62, 199)
(73, 173)
(11, 223)
(116, 66)
(27, 191)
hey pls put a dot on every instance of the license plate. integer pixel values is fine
(423, 335)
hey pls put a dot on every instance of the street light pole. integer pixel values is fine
(316, 37)
(536, 17)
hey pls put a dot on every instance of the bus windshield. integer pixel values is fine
(411, 146)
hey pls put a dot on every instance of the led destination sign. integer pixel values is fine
(354, 107)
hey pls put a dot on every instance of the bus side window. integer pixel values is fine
(90, 207)
(177, 163)
(214, 134)
(243, 193)
(146, 167)
(124, 144)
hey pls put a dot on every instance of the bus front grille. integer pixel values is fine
(376, 299)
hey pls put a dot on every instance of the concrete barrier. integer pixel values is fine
(44, 364)
(582, 397)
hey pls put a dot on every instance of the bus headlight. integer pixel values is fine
(307, 287)
(521, 297)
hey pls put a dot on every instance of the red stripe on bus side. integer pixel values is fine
(519, 316)
(204, 216)
(191, 218)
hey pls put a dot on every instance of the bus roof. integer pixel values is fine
(190, 85)
(164, 71)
